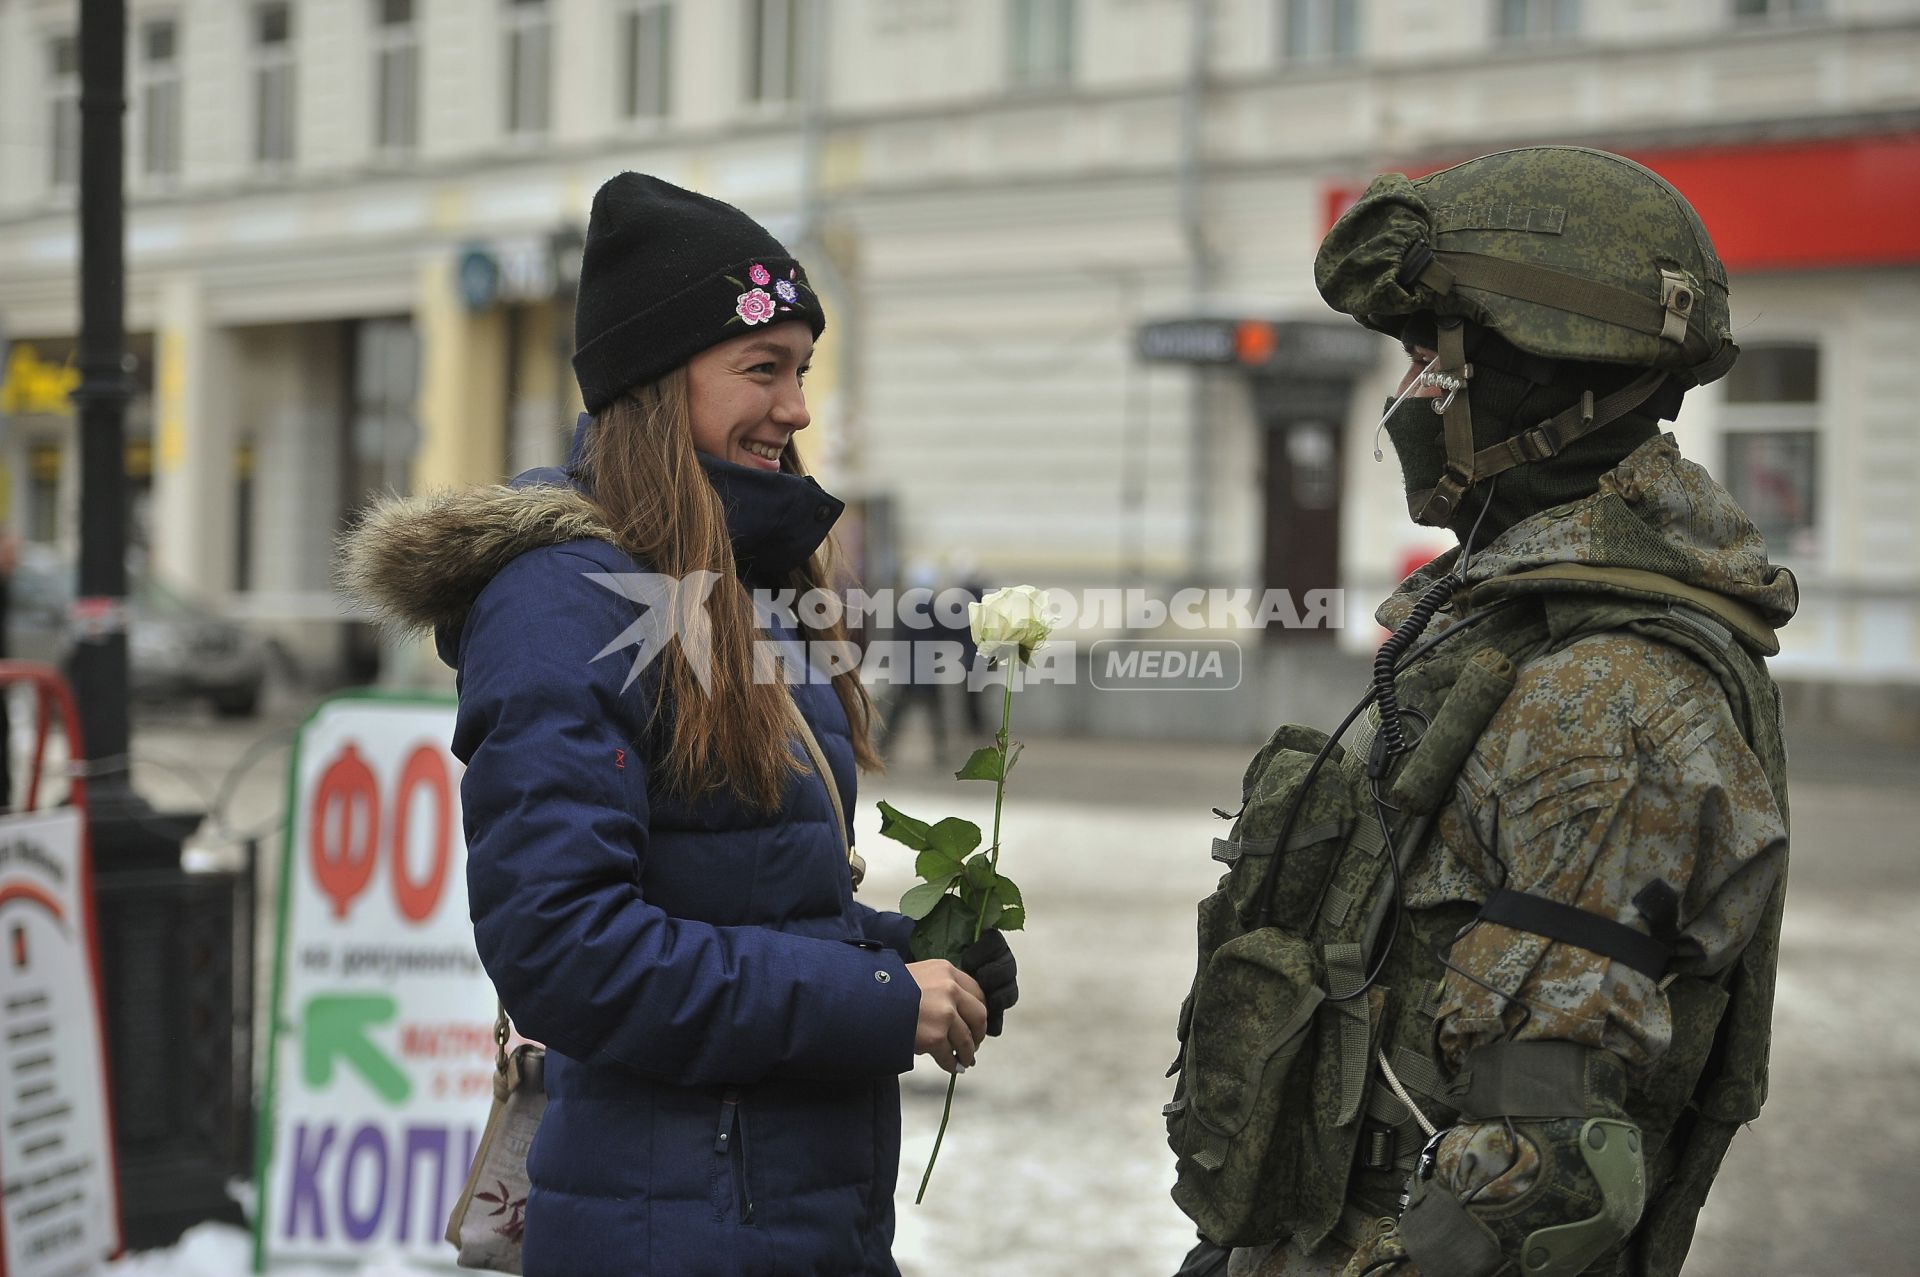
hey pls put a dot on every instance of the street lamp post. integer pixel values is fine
(100, 655)
(167, 937)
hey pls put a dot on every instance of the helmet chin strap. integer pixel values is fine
(1436, 506)
(1444, 497)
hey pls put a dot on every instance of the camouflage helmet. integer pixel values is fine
(1566, 252)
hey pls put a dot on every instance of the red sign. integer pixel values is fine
(1779, 205)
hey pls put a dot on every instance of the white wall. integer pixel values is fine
(1006, 245)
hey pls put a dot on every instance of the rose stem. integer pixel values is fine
(1003, 740)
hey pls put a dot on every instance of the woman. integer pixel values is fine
(659, 886)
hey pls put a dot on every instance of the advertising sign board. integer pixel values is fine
(59, 1204)
(380, 1069)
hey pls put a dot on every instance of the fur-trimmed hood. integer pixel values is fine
(417, 563)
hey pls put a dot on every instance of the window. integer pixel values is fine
(645, 27)
(1773, 444)
(396, 78)
(63, 113)
(273, 84)
(159, 98)
(529, 58)
(1762, 11)
(1317, 29)
(1041, 48)
(43, 492)
(776, 49)
(1774, 375)
(1536, 19)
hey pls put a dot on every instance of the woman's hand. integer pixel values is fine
(953, 1014)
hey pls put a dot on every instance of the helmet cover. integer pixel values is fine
(1566, 252)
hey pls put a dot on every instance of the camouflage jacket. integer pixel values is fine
(1615, 761)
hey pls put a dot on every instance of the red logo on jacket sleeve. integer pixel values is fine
(620, 759)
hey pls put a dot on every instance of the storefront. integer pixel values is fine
(39, 443)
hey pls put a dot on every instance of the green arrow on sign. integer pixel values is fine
(336, 1025)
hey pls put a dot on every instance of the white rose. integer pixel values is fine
(1011, 620)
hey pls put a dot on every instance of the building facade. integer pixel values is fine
(353, 223)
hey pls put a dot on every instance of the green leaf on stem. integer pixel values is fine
(921, 900)
(1012, 918)
(954, 837)
(988, 895)
(983, 764)
(900, 827)
(935, 863)
(944, 933)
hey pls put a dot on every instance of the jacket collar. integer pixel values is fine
(774, 519)
(1655, 515)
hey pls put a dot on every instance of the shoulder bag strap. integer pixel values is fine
(855, 863)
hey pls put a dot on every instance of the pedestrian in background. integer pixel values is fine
(660, 885)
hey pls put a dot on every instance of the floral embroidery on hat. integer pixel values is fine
(759, 275)
(785, 291)
(754, 306)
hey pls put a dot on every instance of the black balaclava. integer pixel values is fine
(1509, 392)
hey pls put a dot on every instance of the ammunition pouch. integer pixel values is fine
(1590, 1186)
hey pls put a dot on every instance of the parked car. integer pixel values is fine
(178, 648)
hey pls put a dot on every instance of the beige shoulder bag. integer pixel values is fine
(489, 1218)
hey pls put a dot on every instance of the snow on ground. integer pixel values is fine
(221, 1250)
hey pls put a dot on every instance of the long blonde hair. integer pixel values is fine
(639, 466)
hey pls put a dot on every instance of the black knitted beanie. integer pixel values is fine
(668, 272)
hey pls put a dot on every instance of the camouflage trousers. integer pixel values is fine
(1282, 1259)
(1333, 1258)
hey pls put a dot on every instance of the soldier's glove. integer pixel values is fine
(1544, 1172)
(1381, 1255)
(989, 960)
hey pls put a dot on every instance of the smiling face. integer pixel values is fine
(745, 395)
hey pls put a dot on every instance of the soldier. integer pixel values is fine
(1487, 986)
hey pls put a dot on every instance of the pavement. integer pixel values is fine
(1055, 1162)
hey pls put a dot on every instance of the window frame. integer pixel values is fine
(1541, 21)
(274, 65)
(1777, 13)
(759, 55)
(150, 78)
(1026, 69)
(394, 45)
(61, 102)
(631, 17)
(519, 20)
(1323, 26)
(1812, 544)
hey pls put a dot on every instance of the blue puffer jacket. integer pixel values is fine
(725, 1023)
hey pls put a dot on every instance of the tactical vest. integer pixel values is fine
(1283, 1120)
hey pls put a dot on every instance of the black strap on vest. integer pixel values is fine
(1589, 931)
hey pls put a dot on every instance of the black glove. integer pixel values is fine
(1205, 1260)
(990, 962)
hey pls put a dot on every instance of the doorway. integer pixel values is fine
(1302, 422)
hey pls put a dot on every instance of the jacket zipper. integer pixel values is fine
(731, 1114)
